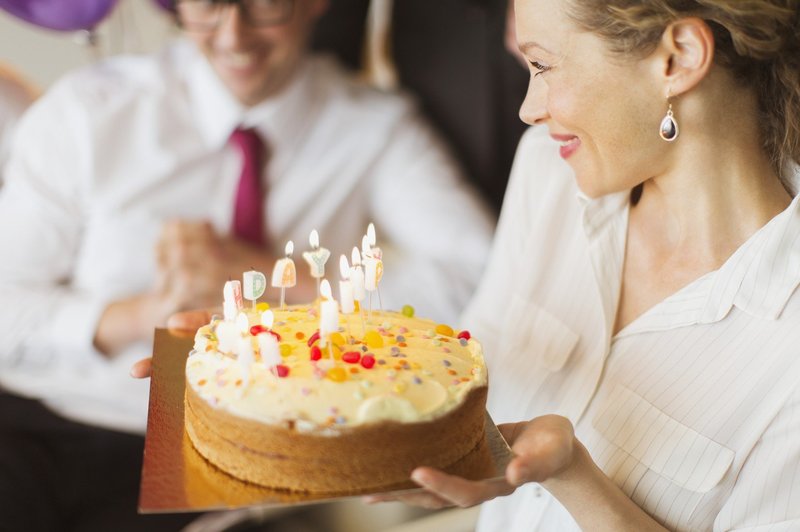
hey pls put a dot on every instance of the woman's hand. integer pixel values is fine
(544, 448)
(182, 322)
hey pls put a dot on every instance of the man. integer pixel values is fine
(124, 202)
(15, 96)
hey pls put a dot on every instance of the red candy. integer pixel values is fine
(316, 353)
(283, 371)
(351, 357)
(367, 361)
(464, 335)
(313, 338)
(255, 330)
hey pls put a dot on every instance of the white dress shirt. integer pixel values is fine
(14, 99)
(693, 409)
(113, 151)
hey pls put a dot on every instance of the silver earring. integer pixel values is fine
(669, 127)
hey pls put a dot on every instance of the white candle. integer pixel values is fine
(232, 291)
(270, 352)
(357, 277)
(317, 257)
(245, 357)
(254, 285)
(227, 336)
(329, 313)
(373, 249)
(365, 247)
(229, 310)
(284, 274)
(346, 287)
(373, 271)
(243, 323)
(267, 319)
(227, 331)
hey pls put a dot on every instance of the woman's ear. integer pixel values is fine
(686, 54)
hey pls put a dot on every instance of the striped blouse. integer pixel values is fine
(693, 409)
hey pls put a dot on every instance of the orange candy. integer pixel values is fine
(336, 375)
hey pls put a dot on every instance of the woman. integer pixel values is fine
(641, 306)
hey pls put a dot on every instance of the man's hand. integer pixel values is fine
(194, 262)
(181, 322)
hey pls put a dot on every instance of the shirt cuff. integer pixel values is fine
(75, 323)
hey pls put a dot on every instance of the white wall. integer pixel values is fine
(42, 56)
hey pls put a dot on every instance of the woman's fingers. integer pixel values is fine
(423, 499)
(457, 490)
(542, 448)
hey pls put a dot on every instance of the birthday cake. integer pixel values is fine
(308, 398)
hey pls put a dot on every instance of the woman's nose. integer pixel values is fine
(534, 108)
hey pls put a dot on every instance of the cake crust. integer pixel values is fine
(370, 456)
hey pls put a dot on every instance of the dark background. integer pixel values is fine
(450, 54)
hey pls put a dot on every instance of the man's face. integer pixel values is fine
(254, 61)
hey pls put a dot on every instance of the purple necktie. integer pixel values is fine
(248, 211)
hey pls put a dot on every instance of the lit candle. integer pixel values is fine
(316, 258)
(267, 319)
(254, 285)
(245, 357)
(346, 287)
(365, 247)
(357, 276)
(227, 330)
(243, 323)
(373, 270)
(270, 352)
(227, 336)
(328, 313)
(374, 251)
(284, 274)
(232, 292)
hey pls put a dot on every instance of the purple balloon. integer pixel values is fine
(60, 15)
(168, 5)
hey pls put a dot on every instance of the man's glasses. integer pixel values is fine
(206, 15)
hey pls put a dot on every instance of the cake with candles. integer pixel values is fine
(331, 397)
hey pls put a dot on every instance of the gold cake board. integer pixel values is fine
(176, 478)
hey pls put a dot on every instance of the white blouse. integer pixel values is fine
(693, 409)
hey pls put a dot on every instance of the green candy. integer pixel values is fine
(408, 311)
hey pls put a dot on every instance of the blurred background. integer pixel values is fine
(449, 53)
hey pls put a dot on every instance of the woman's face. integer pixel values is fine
(603, 109)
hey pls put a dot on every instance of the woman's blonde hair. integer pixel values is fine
(757, 40)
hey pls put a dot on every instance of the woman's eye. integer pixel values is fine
(540, 68)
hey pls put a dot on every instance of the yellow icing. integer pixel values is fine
(417, 375)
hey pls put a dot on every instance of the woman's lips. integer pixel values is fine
(569, 144)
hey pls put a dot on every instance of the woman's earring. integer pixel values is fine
(669, 127)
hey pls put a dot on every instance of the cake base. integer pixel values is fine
(378, 455)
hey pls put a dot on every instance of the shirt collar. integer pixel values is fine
(218, 113)
(599, 212)
(761, 276)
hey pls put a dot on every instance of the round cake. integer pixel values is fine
(359, 409)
